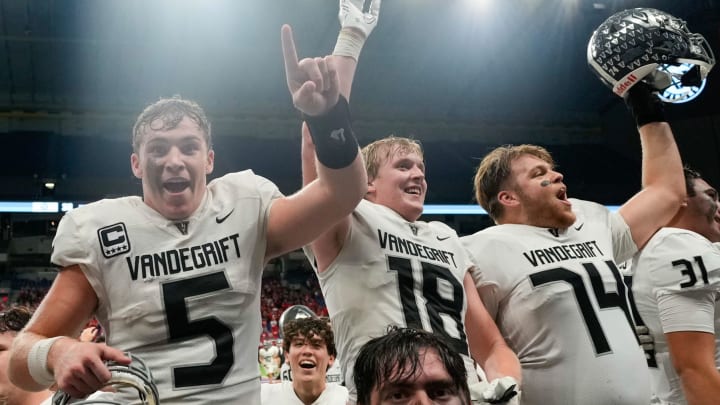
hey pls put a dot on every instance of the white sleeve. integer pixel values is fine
(688, 311)
(624, 246)
(685, 274)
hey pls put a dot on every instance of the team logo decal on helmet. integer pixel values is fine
(136, 375)
(653, 46)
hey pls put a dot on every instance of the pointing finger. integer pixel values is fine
(289, 52)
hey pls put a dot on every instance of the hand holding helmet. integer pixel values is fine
(648, 45)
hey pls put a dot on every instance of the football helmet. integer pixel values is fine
(641, 44)
(292, 313)
(134, 375)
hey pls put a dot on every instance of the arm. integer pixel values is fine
(299, 219)
(327, 246)
(77, 366)
(662, 173)
(487, 345)
(693, 356)
(356, 27)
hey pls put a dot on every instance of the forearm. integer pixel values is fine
(342, 189)
(501, 361)
(346, 68)
(662, 165)
(307, 153)
(701, 385)
(18, 370)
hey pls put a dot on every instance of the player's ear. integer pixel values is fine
(371, 187)
(210, 164)
(135, 165)
(508, 198)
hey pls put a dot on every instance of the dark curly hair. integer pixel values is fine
(307, 328)
(15, 318)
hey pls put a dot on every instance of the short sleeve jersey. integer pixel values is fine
(394, 272)
(282, 393)
(184, 297)
(676, 286)
(561, 304)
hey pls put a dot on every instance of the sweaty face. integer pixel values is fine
(309, 360)
(431, 385)
(539, 194)
(400, 185)
(173, 166)
(703, 208)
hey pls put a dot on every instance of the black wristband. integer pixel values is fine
(335, 144)
(644, 104)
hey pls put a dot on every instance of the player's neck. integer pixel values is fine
(308, 393)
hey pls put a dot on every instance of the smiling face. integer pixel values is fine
(536, 195)
(173, 165)
(400, 184)
(309, 359)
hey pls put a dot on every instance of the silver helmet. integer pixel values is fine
(650, 45)
(135, 375)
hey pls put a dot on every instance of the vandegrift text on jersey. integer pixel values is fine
(401, 245)
(560, 253)
(190, 258)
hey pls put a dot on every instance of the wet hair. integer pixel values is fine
(166, 114)
(396, 356)
(377, 152)
(15, 318)
(494, 173)
(690, 176)
(307, 328)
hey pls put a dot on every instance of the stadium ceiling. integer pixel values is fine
(491, 71)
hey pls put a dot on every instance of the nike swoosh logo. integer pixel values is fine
(442, 239)
(220, 220)
(579, 227)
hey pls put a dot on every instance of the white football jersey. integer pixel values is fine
(282, 393)
(561, 304)
(394, 272)
(676, 285)
(183, 297)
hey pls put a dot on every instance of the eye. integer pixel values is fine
(397, 396)
(157, 149)
(442, 393)
(190, 148)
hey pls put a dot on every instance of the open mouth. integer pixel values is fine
(307, 364)
(176, 185)
(562, 194)
(414, 190)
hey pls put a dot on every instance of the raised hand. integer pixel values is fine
(313, 82)
(351, 15)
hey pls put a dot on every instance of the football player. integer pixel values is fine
(175, 276)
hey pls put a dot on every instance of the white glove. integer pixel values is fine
(351, 15)
(356, 26)
(646, 340)
(502, 390)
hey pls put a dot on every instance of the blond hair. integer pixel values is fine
(494, 172)
(378, 152)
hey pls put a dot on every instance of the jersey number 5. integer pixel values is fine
(449, 303)
(181, 328)
(604, 299)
